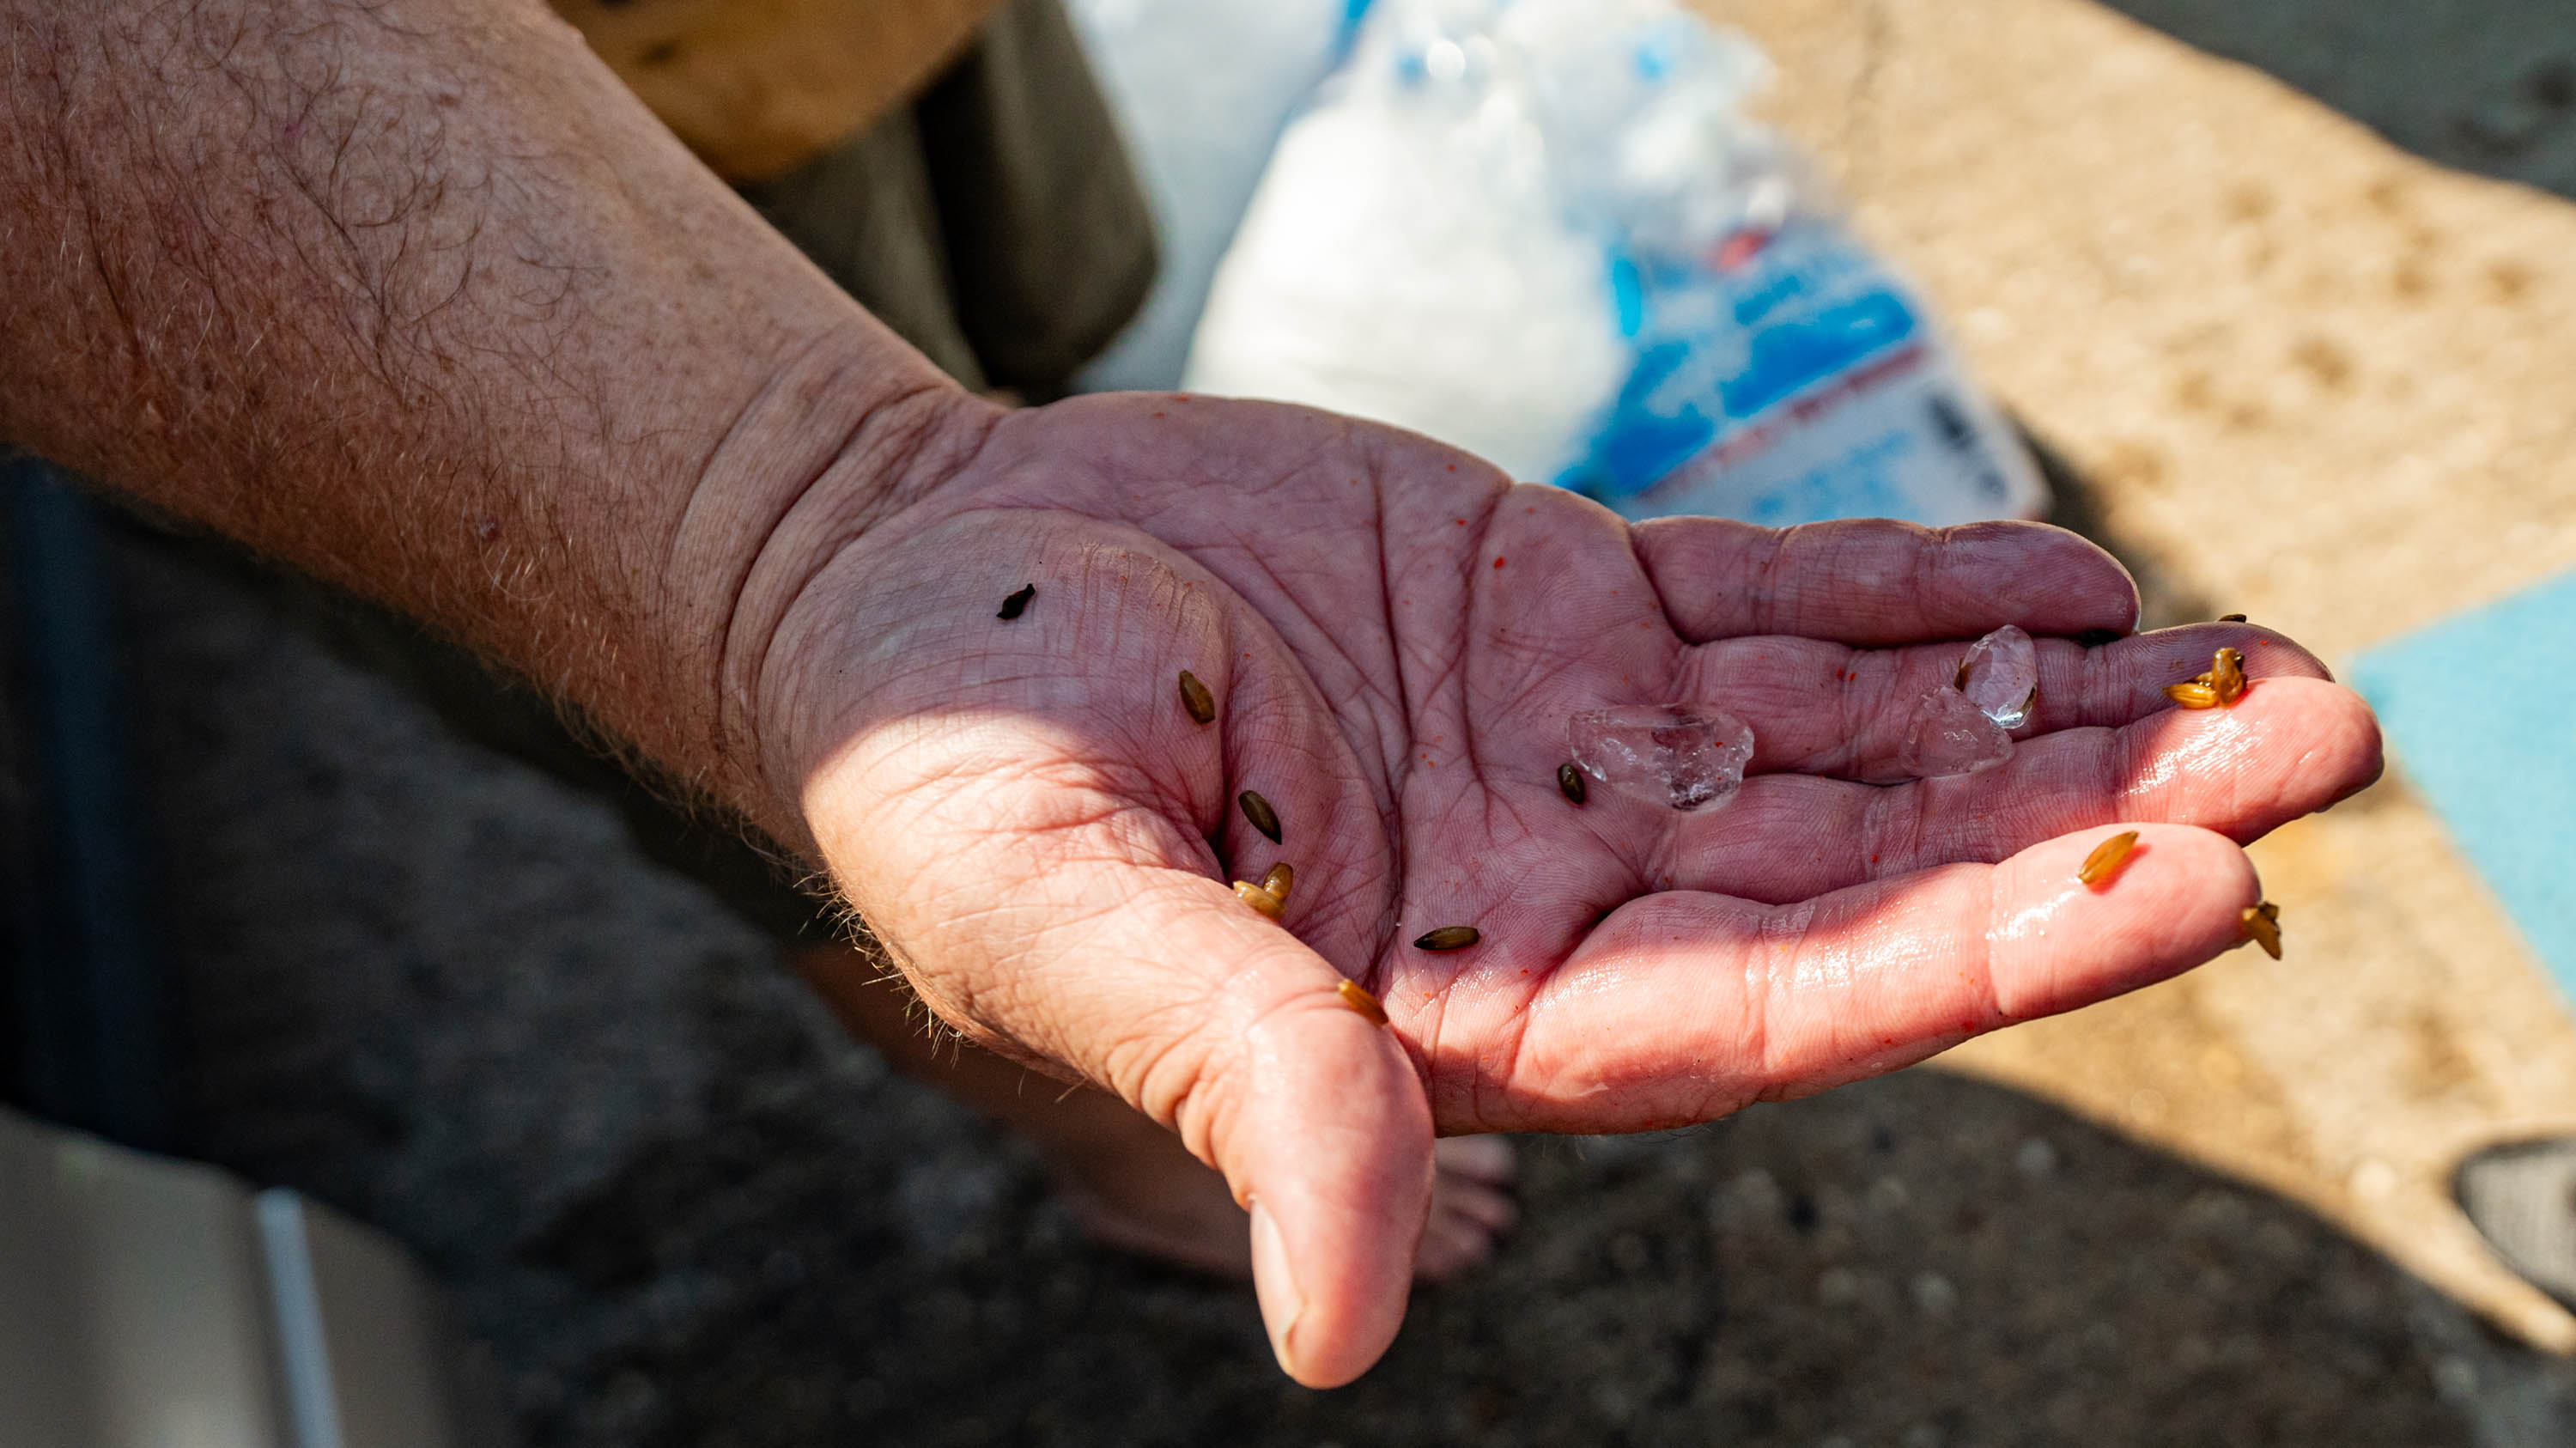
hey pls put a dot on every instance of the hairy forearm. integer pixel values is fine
(413, 296)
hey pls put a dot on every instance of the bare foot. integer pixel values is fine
(1134, 1188)
(1128, 1182)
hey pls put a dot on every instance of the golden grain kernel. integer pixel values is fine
(2227, 675)
(2107, 858)
(1361, 1001)
(1258, 898)
(1258, 810)
(1196, 698)
(1017, 603)
(2262, 925)
(1282, 876)
(2231, 618)
(2194, 695)
(1569, 780)
(1448, 937)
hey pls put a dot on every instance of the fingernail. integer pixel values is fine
(1276, 1287)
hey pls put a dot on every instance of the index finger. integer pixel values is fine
(1879, 580)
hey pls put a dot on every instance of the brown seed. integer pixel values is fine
(2194, 695)
(1196, 698)
(2227, 675)
(1258, 898)
(1570, 780)
(2107, 858)
(1361, 1001)
(1258, 810)
(1959, 680)
(2231, 618)
(1017, 603)
(1448, 937)
(2262, 925)
(1277, 882)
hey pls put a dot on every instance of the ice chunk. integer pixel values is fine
(1665, 754)
(2001, 676)
(1949, 735)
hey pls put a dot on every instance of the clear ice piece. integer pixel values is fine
(1947, 734)
(1664, 754)
(2001, 676)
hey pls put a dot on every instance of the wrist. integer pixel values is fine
(832, 448)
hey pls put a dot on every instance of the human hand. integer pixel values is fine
(1395, 637)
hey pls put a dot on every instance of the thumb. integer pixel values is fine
(1090, 936)
(1161, 984)
(1329, 1146)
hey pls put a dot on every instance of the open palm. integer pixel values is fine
(1395, 638)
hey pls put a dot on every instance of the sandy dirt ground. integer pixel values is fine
(442, 992)
(2289, 288)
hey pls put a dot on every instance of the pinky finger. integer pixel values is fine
(1683, 1007)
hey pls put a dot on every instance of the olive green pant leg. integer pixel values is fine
(865, 213)
(997, 225)
(1050, 238)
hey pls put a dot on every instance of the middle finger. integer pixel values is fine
(1824, 708)
(2286, 750)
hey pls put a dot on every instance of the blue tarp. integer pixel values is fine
(2480, 711)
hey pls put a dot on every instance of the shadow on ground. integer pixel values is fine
(2478, 85)
(2075, 503)
(436, 989)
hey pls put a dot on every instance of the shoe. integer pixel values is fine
(2522, 1196)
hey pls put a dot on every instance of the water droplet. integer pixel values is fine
(2001, 676)
(1949, 735)
(1664, 753)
